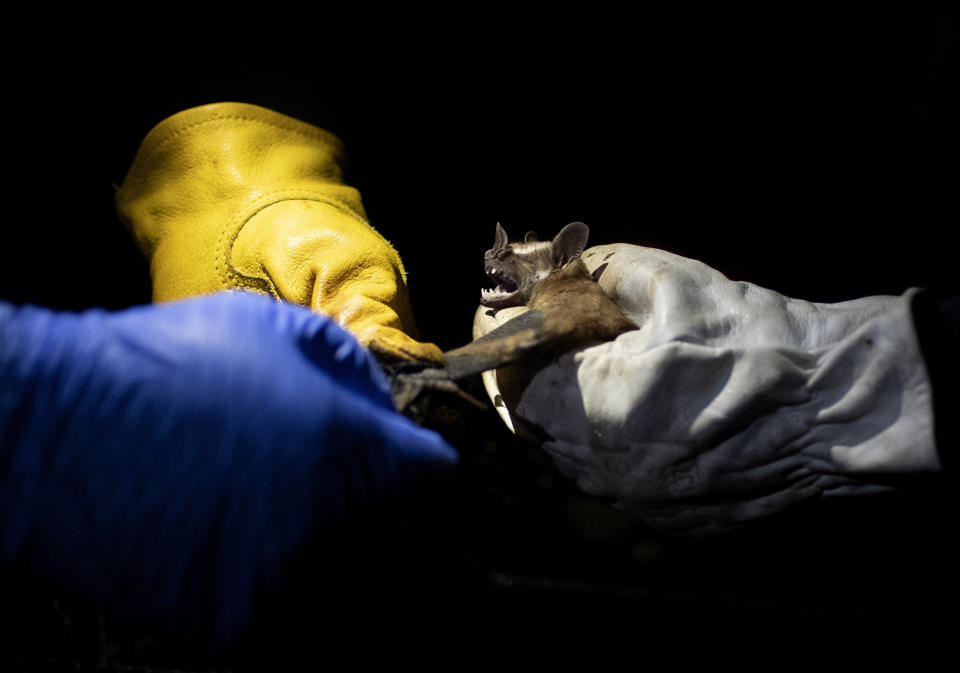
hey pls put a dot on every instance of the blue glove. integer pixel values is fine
(165, 462)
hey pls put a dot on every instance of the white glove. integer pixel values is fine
(731, 402)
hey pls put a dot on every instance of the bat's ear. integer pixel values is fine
(531, 237)
(501, 239)
(569, 243)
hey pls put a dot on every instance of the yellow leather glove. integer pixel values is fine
(236, 196)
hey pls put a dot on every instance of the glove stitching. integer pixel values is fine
(167, 136)
(229, 275)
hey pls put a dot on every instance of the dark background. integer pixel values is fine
(810, 149)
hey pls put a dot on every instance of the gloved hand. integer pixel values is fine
(168, 462)
(731, 402)
(236, 196)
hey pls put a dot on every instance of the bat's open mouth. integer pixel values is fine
(504, 294)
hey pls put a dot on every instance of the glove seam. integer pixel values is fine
(165, 136)
(230, 276)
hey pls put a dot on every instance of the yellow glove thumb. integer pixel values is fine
(236, 196)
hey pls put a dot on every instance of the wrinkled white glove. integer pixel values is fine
(731, 402)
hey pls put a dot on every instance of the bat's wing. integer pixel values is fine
(515, 339)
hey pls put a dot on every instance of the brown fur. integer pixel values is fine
(568, 310)
(551, 279)
(576, 311)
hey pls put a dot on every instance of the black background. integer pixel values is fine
(810, 149)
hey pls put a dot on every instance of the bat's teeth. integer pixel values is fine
(495, 292)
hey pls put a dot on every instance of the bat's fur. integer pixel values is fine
(576, 311)
(568, 309)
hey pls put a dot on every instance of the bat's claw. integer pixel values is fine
(414, 392)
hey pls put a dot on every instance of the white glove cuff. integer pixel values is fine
(874, 399)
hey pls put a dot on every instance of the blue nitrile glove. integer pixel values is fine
(165, 461)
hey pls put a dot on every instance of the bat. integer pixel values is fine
(567, 310)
